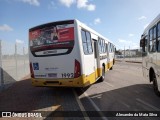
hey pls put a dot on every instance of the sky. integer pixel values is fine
(121, 21)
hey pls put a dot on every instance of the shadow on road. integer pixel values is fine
(22, 96)
(139, 97)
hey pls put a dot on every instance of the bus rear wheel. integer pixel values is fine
(111, 68)
(103, 74)
(155, 85)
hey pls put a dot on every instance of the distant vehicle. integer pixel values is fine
(150, 43)
(68, 53)
(119, 56)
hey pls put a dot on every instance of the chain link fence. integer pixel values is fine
(14, 63)
(129, 55)
(131, 59)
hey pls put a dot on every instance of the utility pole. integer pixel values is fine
(124, 52)
(16, 61)
(1, 69)
(24, 60)
(129, 53)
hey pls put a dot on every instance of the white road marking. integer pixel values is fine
(136, 91)
(147, 104)
(151, 87)
(96, 96)
(81, 106)
(95, 106)
(128, 106)
(108, 84)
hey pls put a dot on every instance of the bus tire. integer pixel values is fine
(111, 68)
(155, 85)
(103, 74)
(113, 61)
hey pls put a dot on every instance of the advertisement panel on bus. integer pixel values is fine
(52, 40)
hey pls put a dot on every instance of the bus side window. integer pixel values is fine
(103, 49)
(152, 39)
(87, 44)
(158, 36)
(113, 49)
(109, 48)
(102, 46)
(84, 42)
(99, 44)
(106, 48)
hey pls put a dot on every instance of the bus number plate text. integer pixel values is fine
(67, 75)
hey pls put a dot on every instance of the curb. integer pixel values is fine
(129, 61)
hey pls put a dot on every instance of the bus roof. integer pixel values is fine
(61, 21)
(152, 23)
(45, 24)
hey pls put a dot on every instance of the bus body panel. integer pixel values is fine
(111, 59)
(158, 70)
(55, 65)
(88, 62)
(56, 68)
(59, 69)
(151, 60)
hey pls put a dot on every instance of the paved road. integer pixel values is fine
(124, 89)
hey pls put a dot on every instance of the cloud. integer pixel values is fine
(84, 4)
(142, 18)
(127, 43)
(32, 2)
(130, 35)
(145, 25)
(5, 27)
(122, 40)
(52, 5)
(19, 41)
(135, 46)
(91, 7)
(97, 21)
(67, 3)
(80, 4)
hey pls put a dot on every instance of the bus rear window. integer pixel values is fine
(51, 39)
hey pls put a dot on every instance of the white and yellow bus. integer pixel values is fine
(150, 43)
(68, 53)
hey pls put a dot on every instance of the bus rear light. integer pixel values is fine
(77, 69)
(31, 71)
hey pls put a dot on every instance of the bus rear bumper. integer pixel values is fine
(70, 82)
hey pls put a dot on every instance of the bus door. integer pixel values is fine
(96, 58)
(145, 57)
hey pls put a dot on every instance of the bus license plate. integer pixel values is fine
(52, 75)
